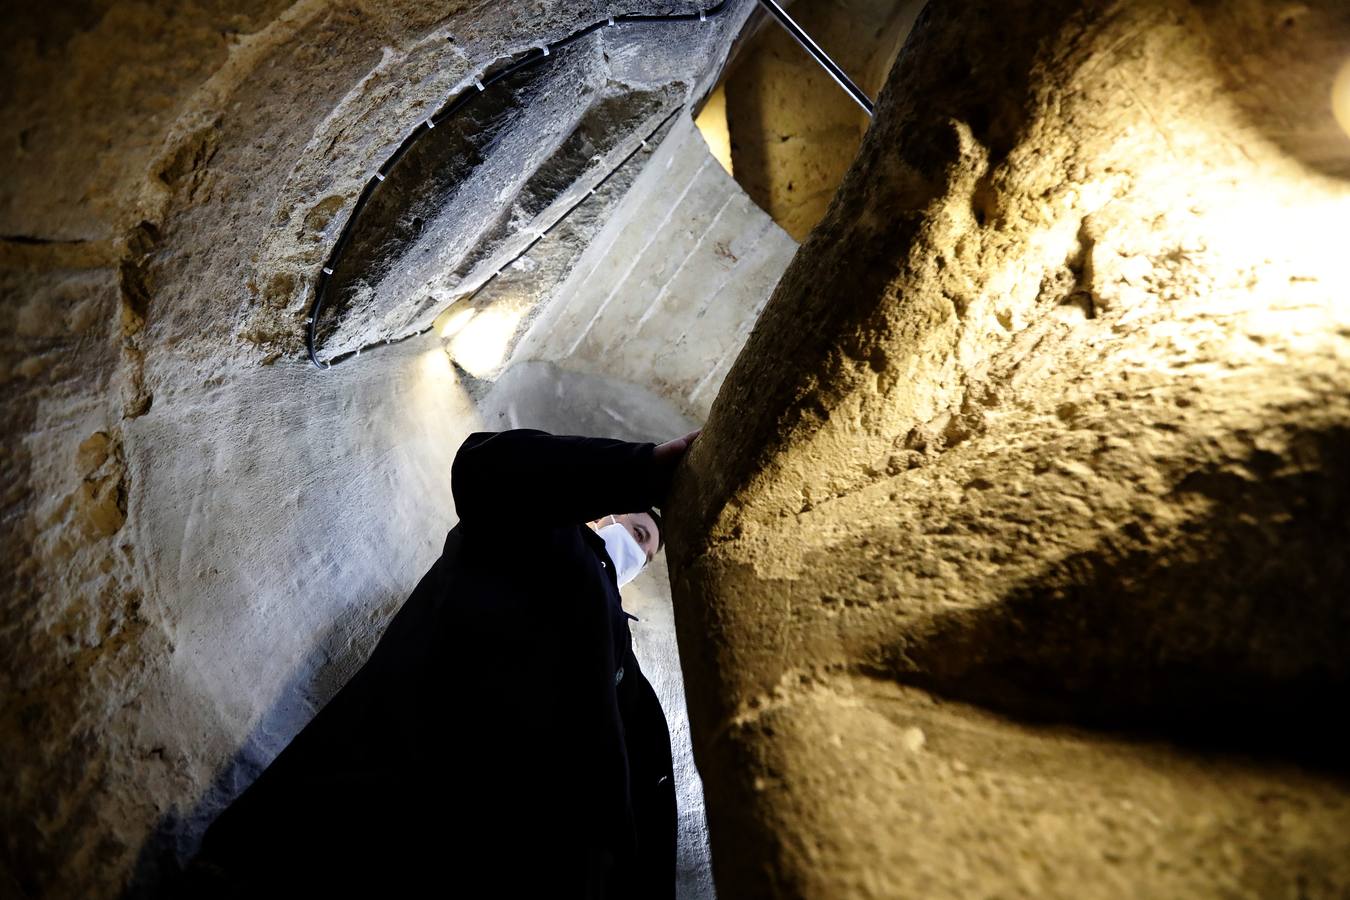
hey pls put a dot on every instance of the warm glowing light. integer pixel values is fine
(1310, 232)
(435, 366)
(1340, 97)
(437, 408)
(452, 321)
(481, 345)
(712, 124)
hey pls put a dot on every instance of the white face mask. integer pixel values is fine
(627, 554)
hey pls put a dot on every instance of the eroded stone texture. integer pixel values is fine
(1026, 576)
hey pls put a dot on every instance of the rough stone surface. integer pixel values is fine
(1012, 557)
(1026, 576)
(204, 536)
(482, 328)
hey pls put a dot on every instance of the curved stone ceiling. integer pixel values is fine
(478, 182)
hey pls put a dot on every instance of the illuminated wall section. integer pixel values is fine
(1026, 576)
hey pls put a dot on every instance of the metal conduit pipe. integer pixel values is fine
(454, 105)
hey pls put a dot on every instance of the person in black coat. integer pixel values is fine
(501, 740)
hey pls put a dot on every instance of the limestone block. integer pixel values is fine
(1026, 576)
(672, 284)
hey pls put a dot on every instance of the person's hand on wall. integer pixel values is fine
(670, 452)
(667, 456)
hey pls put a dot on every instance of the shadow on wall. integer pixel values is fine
(334, 659)
(1253, 657)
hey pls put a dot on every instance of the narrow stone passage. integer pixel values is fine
(1011, 558)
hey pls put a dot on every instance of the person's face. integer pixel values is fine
(641, 527)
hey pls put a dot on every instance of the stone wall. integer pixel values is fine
(204, 534)
(1026, 575)
(1011, 560)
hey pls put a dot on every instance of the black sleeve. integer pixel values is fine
(558, 479)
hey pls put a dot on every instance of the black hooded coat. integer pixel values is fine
(501, 740)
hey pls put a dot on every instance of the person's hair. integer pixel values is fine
(660, 527)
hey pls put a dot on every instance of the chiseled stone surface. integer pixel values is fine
(1013, 555)
(1012, 559)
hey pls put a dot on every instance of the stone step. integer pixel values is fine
(667, 292)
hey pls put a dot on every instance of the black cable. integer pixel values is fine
(452, 106)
